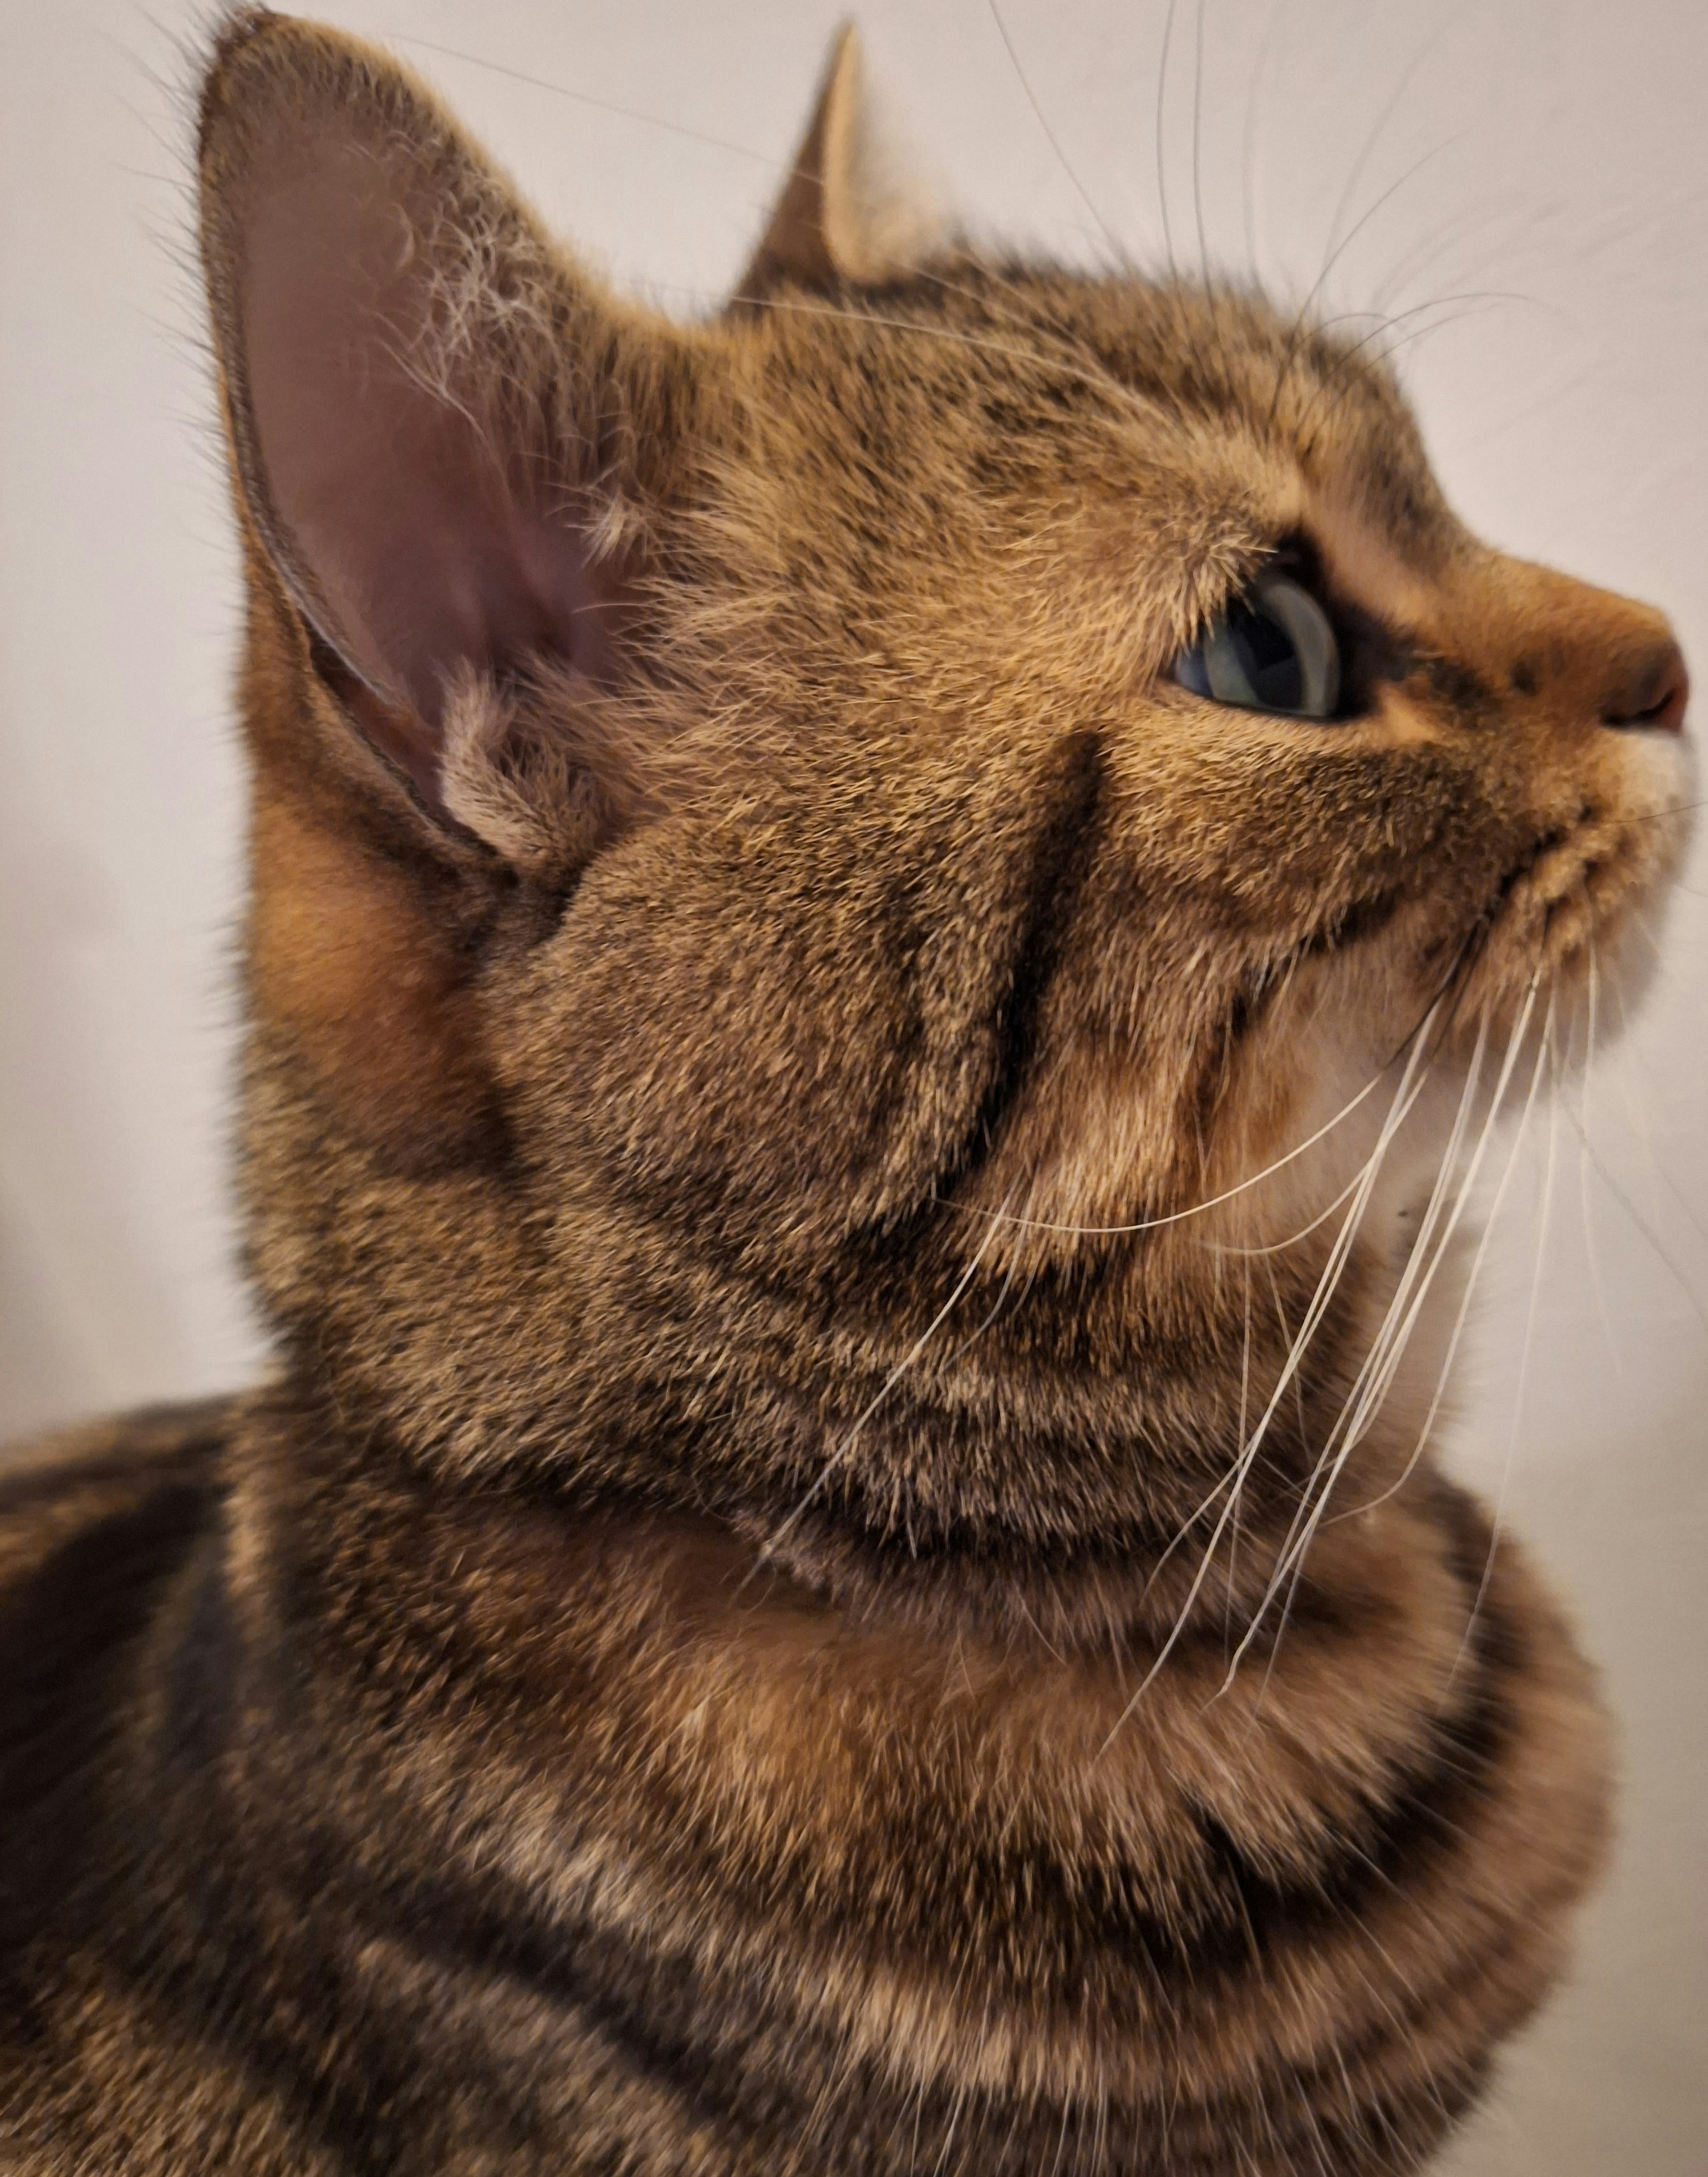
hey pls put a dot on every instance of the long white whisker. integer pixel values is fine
(1592, 1002)
(1658, 1176)
(996, 1308)
(1378, 133)
(1394, 1315)
(1244, 1409)
(1405, 1096)
(1364, 1179)
(1085, 372)
(1375, 1374)
(1160, 140)
(1381, 1389)
(1116, 245)
(1292, 1239)
(1418, 1038)
(1236, 1473)
(1661, 1177)
(1249, 135)
(1459, 1322)
(1391, 1361)
(1299, 1539)
(1523, 1357)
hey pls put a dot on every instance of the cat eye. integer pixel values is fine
(1272, 649)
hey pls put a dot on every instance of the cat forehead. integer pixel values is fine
(1014, 378)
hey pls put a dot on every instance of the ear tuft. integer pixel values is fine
(855, 206)
(539, 770)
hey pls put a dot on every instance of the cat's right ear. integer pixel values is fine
(855, 204)
(446, 434)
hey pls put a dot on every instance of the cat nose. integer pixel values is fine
(1652, 692)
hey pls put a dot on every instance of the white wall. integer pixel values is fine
(1546, 159)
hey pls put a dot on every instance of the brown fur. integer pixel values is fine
(662, 1681)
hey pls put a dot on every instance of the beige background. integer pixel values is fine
(1527, 179)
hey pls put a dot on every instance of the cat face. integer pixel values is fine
(767, 933)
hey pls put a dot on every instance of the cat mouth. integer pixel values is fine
(1565, 905)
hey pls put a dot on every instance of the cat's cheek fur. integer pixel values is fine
(348, 960)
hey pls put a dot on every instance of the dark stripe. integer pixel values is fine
(157, 1440)
(1062, 859)
(66, 1635)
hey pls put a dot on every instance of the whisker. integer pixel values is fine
(1162, 159)
(1301, 1420)
(1198, 149)
(1461, 1319)
(1641, 1223)
(1248, 177)
(1370, 1386)
(996, 1307)
(1244, 1408)
(1058, 360)
(1327, 390)
(1214, 1201)
(1292, 1239)
(1290, 1560)
(1524, 1360)
(1671, 809)
(1378, 128)
(1303, 318)
(587, 98)
(1592, 998)
(1366, 216)
(1405, 1096)
(1066, 164)
(1296, 1341)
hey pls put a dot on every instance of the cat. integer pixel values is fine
(883, 933)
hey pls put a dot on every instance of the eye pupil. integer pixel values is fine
(1271, 649)
(1267, 657)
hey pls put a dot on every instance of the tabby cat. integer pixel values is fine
(883, 931)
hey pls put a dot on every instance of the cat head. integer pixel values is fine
(794, 854)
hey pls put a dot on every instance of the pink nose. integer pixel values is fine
(1655, 695)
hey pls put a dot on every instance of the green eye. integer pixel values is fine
(1271, 650)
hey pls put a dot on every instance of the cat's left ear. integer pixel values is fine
(456, 452)
(447, 434)
(856, 207)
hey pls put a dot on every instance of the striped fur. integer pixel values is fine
(718, 1650)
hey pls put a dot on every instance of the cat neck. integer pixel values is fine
(496, 1769)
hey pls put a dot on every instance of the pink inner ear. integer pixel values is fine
(398, 523)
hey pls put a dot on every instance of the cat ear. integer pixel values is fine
(854, 207)
(433, 414)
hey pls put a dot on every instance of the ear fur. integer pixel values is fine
(852, 207)
(452, 450)
(438, 423)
